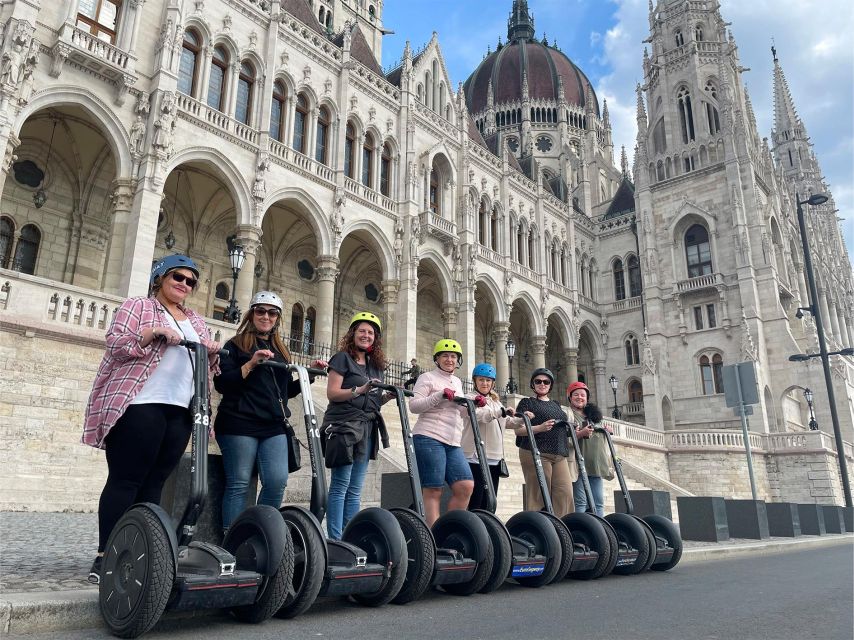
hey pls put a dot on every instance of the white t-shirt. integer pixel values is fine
(171, 382)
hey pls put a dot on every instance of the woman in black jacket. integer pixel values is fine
(251, 422)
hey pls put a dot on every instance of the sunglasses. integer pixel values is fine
(180, 277)
(542, 381)
(261, 311)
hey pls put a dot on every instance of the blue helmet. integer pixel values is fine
(170, 263)
(484, 370)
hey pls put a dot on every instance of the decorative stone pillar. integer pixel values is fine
(843, 325)
(825, 311)
(12, 143)
(502, 363)
(122, 202)
(249, 237)
(230, 88)
(834, 319)
(571, 363)
(465, 334)
(327, 273)
(449, 315)
(390, 290)
(601, 394)
(91, 240)
(406, 314)
(538, 350)
(141, 233)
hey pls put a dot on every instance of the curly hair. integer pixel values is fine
(375, 357)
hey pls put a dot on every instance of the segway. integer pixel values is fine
(369, 562)
(632, 549)
(663, 536)
(457, 553)
(588, 548)
(151, 565)
(530, 548)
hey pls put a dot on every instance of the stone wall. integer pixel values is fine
(719, 474)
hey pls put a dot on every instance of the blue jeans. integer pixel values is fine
(345, 493)
(239, 455)
(597, 486)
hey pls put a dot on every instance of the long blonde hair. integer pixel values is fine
(246, 337)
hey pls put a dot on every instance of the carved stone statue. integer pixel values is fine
(164, 126)
(398, 240)
(11, 68)
(259, 190)
(137, 136)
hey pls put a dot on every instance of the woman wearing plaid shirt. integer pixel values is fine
(139, 406)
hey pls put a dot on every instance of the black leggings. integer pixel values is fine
(478, 496)
(143, 448)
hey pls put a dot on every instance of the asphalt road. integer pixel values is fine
(800, 595)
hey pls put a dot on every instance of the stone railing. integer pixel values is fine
(708, 281)
(298, 161)
(630, 433)
(104, 52)
(443, 229)
(202, 113)
(627, 304)
(525, 272)
(633, 409)
(369, 195)
(717, 440)
(488, 254)
(723, 440)
(560, 289)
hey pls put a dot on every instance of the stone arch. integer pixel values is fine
(223, 165)
(225, 40)
(315, 216)
(113, 129)
(198, 23)
(330, 105)
(490, 288)
(446, 279)
(310, 94)
(527, 301)
(378, 242)
(563, 325)
(667, 414)
(770, 410)
(686, 220)
(286, 79)
(794, 409)
(591, 333)
(255, 59)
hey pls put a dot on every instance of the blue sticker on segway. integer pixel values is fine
(527, 570)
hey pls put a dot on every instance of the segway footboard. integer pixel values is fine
(464, 555)
(594, 546)
(541, 559)
(668, 550)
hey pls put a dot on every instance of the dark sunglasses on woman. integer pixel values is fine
(260, 311)
(180, 277)
(542, 381)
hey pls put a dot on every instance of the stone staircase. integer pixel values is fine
(393, 460)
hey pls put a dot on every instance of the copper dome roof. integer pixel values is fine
(522, 53)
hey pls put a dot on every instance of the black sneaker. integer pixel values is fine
(95, 571)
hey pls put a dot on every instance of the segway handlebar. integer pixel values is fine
(579, 459)
(618, 469)
(293, 367)
(192, 346)
(491, 500)
(393, 389)
(538, 464)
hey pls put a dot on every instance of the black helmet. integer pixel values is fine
(542, 371)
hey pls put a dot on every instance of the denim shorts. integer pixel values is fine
(439, 463)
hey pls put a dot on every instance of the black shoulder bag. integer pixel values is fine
(294, 444)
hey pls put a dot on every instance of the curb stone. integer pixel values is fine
(52, 611)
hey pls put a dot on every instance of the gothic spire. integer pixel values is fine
(520, 26)
(786, 119)
(624, 163)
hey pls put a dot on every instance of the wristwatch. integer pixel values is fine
(354, 392)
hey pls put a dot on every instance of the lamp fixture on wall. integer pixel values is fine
(40, 196)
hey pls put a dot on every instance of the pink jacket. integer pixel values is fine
(439, 418)
(491, 426)
(126, 365)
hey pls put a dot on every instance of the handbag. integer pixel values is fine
(503, 471)
(294, 444)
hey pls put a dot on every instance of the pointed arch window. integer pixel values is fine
(435, 201)
(635, 281)
(27, 250)
(713, 118)
(686, 115)
(711, 374)
(188, 68)
(277, 111)
(698, 252)
(493, 235)
(680, 39)
(321, 147)
(300, 123)
(532, 249)
(619, 280)
(368, 161)
(297, 321)
(520, 243)
(481, 223)
(7, 239)
(100, 18)
(385, 170)
(216, 81)
(349, 151)
(591, 276)
(635, 392)
(698, 33)
(308, 327)
(245, 91)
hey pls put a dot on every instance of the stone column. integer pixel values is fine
(602, 394)
(834, 319)
(500, 335)
(249, 237)
(122, 203)
(538, 350)
(9, 158)
(90, 253)
(138, 251)
(327, 273)
(205, 75)
(230, 88)
(571, 364)
(449, 315)
(825, 311)
(406, 329)
(843, 325)
(465, 334)
(390, 289)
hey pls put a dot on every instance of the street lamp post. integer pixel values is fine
(237, 256)
(815, 309)
(510, 346)
(614, 384)
(808, 396)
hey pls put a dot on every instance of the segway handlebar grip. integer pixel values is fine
(190, 344)
(393, 388)
(317, 372)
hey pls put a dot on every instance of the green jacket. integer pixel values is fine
(597, 457)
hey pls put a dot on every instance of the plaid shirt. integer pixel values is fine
(127, 365)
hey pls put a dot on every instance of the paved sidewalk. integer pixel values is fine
(45, 558)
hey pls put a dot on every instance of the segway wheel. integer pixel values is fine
(650, 537)
(664, 528)
(249, 544)
(632, 533)
(421, 556)
(309, 564)
(566, 548)
(588, 530)
(503, 551)
(534, 527)
(137, 575)
(464, 531)
(376, 532)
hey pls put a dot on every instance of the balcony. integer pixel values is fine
(369, 196)
(524, 272)
(301, 163)
(487, 254)
(700, 283)
(213, 120)
(88, 52)
(445, 231)
(627, 304)
(632, 409)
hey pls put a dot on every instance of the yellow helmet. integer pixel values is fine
(367, 316)
(450, 346)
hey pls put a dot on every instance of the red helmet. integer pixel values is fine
(575, 386)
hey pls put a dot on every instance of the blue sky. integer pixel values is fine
(604, 38)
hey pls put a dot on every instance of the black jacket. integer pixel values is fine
(251, 406)
(344, 442)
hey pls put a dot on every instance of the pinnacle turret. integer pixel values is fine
(787, 123)
(520, 26)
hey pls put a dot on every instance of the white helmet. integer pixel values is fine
(267, 297)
